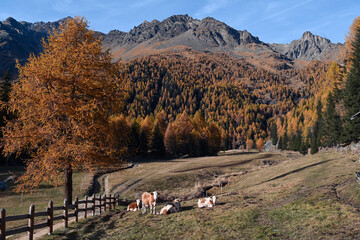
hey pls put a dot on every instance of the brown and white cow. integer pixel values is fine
(207, 202)
(171, 207)
(134, 206)
(149, 200)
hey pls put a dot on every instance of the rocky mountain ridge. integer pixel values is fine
(19, 39)
(308, 47)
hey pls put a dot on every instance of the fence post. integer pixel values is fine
(50, 216)
(76, 209)
(2, 224)
(93, 205)
(117, 198)
(66, 208)
(105, 203)
(85, 213)
(100, 204)
(110, 202)
(31, 222)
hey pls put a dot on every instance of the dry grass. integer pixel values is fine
(17, 203)
(178, 176)
(312, 197)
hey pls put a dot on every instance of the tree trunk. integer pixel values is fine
(68, 184)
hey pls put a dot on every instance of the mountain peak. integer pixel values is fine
(179, 17)
(308, 47)
(307, 34)
(12, 22)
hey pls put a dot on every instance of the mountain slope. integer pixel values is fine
(20, 39)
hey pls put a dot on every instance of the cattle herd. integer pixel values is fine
(149, 200)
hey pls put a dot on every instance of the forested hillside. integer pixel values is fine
(241, 98)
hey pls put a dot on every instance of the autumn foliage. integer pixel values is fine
(63, 101)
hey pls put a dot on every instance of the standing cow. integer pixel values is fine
(149, 200)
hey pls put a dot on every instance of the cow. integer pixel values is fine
(171, 207)
(149, 200)
(207, 202)
(134, 206)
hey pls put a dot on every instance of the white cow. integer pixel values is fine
(207, 202)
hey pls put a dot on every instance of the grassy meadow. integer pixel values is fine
(311, 197)
(18, 204)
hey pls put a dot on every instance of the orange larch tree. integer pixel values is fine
(63, 100)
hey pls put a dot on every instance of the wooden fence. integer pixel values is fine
(94, 205)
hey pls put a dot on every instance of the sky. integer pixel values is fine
(273, 21)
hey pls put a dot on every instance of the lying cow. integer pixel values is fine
(134, 206)
(171, 207)
(149, 200)
(207, 202)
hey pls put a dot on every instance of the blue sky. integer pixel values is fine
(273, 21)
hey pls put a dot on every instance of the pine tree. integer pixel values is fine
(134, 139)
(317, 130)
(332, 123)
(303, 147)
(314, 144)
(143, 143)
(273, 134)
(157, 147)
(285, 142)
(281, 144)
(352, 94)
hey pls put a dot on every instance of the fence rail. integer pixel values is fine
(92, 205)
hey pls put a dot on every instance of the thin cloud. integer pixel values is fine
(280, 12)
(210, 7)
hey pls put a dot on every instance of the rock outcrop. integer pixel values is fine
(309, 47)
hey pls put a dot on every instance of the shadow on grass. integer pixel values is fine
(221, 204)
(236, 153)
(186, 208)
(298, 170)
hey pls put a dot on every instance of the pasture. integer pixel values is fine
(267, 196)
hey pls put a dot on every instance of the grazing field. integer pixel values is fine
(267, 196)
